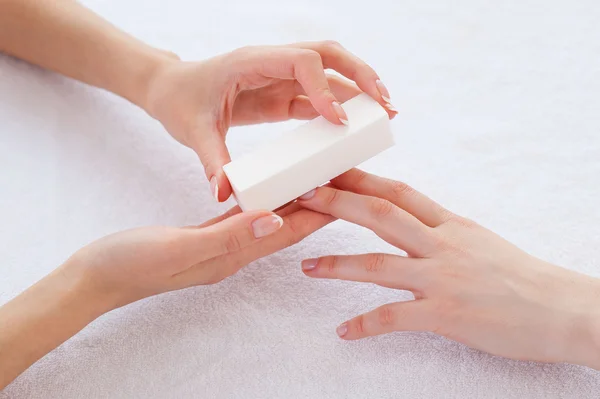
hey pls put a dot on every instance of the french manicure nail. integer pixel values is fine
(309, 264)
(342, 330)
(383, 91)
(214, 187)
(339, 111)
(391, 108)
(308, 195)
(266, 225)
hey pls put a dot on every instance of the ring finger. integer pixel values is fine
(387, 270)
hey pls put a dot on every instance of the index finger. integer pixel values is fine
(303, 65)
(336, 57)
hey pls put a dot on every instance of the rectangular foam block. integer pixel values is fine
(309, 156)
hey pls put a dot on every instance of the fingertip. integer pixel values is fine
(383, 91)
(214, 187)
(266, 225)
(383, 97)
(331, 112)
(330, 108)
(308, 195)
(391, 110)
(213, 155)
(342, 330)
(342, 117)
(309, 265)
(225, 189)
(220, 187)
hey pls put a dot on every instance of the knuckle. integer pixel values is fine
(309, 56)
(453, 220)
(243, 52)
(374, 263)
(295, 231)
(400, 189)
(294, 226)
(440, 240)
(440, 243)
(332, 263)
(381, 208)
(232, 242)
(462, 221)
(444, 213)
(331, 45)
(363, 70)
(324, 92)
(386, 316)
(359, 177)
(455, 250)
(332, 198)
(359, 325)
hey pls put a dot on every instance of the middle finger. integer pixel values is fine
(389, 222)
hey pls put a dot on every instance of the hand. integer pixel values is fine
(131, 265)
(197, 102)
(469, 284)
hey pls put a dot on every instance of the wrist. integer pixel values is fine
(41, 318)
(69, 289)
(151, 64)
(77, 282)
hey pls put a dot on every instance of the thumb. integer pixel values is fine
(233, 233)
(212, 151)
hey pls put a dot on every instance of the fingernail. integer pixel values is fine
(342, 330)
(383, 91)
(308, 195)
(309, 264)
(337, 108)
(266, 225)
(214, 187)
(391, 108)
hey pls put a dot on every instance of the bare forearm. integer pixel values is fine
(42, 318)
(67, 38)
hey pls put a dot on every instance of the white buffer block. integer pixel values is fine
(309, 156)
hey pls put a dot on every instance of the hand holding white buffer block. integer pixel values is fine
(309, 156)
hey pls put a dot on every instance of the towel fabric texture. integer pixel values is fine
(498, 121)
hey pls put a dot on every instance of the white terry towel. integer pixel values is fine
(498, 121)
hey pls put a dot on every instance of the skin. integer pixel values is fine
(469, 284)
(125, 267)
(197, 102)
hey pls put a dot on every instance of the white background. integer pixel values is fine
(499, 121)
